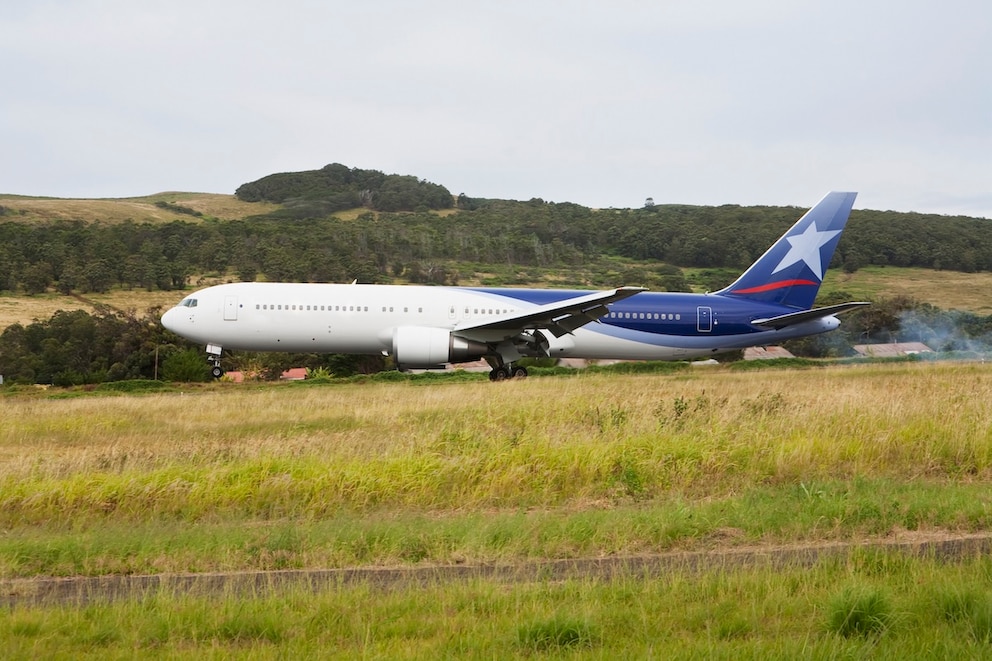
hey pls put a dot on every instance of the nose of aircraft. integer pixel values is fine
(170, 319)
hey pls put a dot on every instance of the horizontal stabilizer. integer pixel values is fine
(793, 318)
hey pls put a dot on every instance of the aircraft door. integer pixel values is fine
(704, 319)
(230, 308)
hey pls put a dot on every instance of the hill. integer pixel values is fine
(336, 187)
(338, 224)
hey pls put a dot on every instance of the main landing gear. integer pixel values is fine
(507, 371)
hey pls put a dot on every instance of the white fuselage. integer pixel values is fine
(362, 319)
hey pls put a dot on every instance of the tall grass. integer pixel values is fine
(373, 473)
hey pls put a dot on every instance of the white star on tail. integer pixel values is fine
(805, 247)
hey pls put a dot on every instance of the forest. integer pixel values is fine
(73, 256)
(399, 236)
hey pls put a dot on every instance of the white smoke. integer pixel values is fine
(946, 331)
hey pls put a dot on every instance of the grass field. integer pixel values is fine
(947, 290)
(238, 478)
(137, 209)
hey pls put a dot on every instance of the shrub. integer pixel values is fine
(860, 612)
(557, 633)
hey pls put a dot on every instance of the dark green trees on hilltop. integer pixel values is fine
(336, 187)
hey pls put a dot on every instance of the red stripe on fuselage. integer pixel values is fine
(773, 285)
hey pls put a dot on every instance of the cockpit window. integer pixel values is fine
(188, 303)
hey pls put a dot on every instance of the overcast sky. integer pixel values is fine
(599, 103)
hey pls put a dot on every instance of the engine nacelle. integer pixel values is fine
(426, 348)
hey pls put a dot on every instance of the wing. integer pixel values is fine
(560, 318)
(784, 320)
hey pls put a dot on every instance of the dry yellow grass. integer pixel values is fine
(947, 290)
(138, 209)
(706, 431)
(26, 309)
(143, 209)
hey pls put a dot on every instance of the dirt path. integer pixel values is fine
(74, 591)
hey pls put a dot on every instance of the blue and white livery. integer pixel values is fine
(427, 327)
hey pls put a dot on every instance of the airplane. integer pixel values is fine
(425, 327)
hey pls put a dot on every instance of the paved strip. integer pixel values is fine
(84, 590)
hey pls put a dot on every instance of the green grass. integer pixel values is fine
(225, 539)
(559, 467)
(469, 473)
(875, 606)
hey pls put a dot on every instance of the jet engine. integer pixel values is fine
(426, 348)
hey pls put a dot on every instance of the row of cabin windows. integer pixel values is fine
(322, 308)
(390, 309)
(359, 308)
(661, 316)
(489, 311)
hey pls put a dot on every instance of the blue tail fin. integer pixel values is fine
(790, 272)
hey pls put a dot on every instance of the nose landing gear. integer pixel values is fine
(213, 357)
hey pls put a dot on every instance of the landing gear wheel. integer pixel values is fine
(216, 371)
(499, 374)
(519, 372)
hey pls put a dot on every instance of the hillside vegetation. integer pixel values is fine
(496, 242)
(303, 226)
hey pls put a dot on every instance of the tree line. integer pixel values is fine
(76, 347)
(73, 256)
